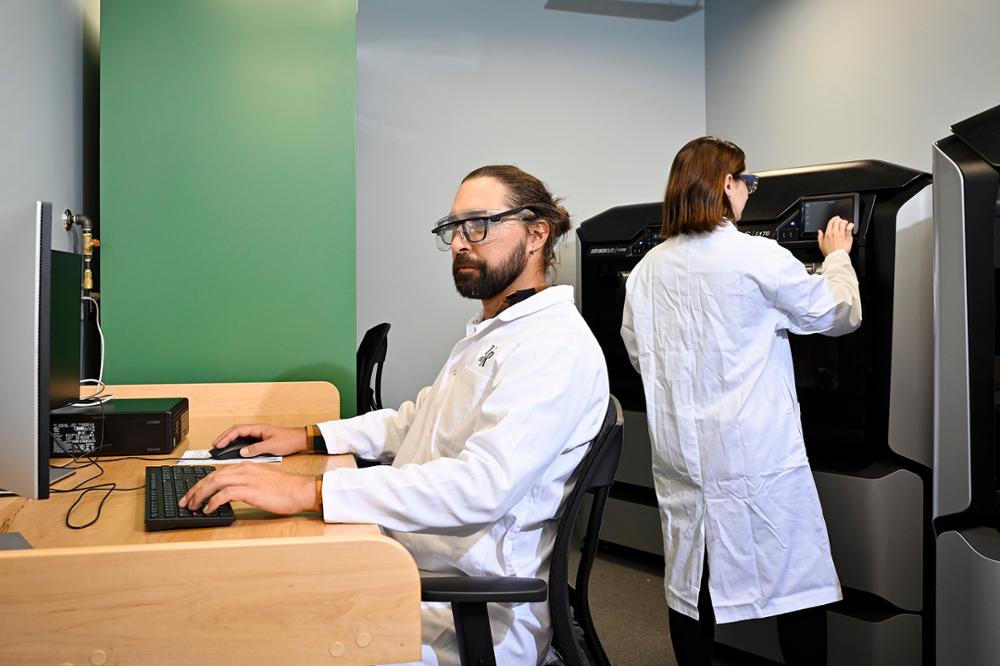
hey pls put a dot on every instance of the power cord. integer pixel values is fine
(100, 372)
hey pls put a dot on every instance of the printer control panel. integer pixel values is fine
(647, 240)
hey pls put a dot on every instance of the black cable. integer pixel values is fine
(109, 487)
(107, 460)
(82, 487)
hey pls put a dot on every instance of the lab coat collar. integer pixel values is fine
(540, 301)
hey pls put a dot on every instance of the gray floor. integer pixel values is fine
(626, 600)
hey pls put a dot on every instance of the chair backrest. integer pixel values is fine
(371, 356)
(568, 603)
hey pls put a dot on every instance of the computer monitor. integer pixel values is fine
(31, 308)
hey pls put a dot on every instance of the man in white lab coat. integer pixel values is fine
(706, 323)
(482, 457)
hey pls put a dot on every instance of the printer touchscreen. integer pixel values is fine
(817, 211)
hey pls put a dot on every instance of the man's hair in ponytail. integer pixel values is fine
(523, 189)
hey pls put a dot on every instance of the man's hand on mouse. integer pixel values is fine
(274, 440)
(260, 485)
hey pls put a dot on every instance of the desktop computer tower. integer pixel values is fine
(120, 427)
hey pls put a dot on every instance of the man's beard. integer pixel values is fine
(485, 281)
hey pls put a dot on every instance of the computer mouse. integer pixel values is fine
(232, 450)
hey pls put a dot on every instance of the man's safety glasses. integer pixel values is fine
(473, 224)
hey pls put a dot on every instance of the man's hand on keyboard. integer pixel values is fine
(274, 440)
(258, 485)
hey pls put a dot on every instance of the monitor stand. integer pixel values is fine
(59, 473)
(13, 541)
(56, 474)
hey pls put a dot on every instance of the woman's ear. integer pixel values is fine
(728, 191)
(729, 184)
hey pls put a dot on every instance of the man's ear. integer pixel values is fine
(538, 233)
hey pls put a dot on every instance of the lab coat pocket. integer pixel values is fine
(468, 389)
(798, 447)
(793, 402)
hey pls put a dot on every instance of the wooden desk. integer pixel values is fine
(268, 589)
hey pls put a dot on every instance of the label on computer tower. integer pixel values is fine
(74, 439)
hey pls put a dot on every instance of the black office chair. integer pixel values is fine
(371, 356)
(568, 605)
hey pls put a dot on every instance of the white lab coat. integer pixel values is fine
(481, 461)
(706, 323)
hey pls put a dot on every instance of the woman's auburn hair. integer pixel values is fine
(695, 201)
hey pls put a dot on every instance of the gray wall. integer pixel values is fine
(815, 81)
(42, 138)
(595, 106)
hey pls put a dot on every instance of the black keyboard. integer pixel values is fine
(165, 484)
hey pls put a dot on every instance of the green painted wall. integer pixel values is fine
(227, 191)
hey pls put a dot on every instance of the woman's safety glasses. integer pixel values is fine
(473, 224)
(749, 180)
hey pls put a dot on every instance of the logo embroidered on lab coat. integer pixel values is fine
(487, 356)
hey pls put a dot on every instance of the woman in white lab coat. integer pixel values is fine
(706, 323)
